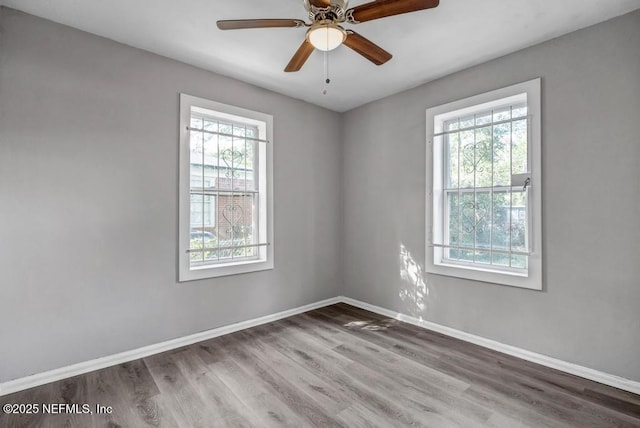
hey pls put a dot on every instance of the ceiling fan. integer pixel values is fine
(325, 32)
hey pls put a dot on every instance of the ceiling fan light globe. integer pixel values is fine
(326, 37)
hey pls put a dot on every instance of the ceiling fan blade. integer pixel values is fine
(239, 24)
(383, 8)
(367, 48)
(300, 57)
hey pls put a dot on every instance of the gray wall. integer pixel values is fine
(589, 312)
(88, 200)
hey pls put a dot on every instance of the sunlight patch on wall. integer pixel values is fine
(414, 291)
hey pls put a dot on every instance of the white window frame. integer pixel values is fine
(264, 123)
(531, 277)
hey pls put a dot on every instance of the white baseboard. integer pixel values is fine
(544, 360)
(123, 357)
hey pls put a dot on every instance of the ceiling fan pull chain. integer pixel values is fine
(326, 69)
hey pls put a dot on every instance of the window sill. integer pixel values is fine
(480, 268)
(510, 278)
(218, 270)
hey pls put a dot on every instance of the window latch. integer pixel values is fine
(523, 180)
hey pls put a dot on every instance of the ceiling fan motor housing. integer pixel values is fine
(333, 12)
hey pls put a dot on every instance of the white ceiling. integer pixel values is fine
(425, 45)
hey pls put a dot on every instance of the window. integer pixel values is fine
(226, 208)
(484, 200)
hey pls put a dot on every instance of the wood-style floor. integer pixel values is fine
(335, 366)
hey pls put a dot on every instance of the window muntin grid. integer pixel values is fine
(224, 179)
(485, 218)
